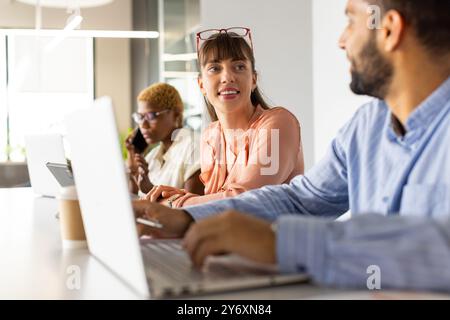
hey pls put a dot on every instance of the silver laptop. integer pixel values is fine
(41, 149)
(154, 268)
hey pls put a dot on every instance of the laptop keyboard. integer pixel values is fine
(168, 258)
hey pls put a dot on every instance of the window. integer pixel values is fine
(3, 111)
(40, 84)
(179, 24)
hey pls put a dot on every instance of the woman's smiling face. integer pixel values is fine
(227, 83)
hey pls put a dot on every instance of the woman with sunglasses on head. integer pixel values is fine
(175, 161)
(245, 131)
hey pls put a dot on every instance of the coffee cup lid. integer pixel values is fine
(68, 193)
(74, 244)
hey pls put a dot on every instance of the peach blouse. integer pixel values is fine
(269, 153)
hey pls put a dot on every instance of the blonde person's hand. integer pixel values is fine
(163, 192)
(136, 164)
(175, 222)
(141, 162)
(231, 232)
(143, 181)
(129, 141)
(131, 152)
(140, 177)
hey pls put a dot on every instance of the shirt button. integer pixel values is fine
(385, 199)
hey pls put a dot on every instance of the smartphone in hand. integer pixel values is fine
(139, 142)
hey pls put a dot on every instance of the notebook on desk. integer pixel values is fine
(154, 268)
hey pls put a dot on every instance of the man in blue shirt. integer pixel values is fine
(389, 165)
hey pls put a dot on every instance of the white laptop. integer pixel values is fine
(41, 149)
(154, 268)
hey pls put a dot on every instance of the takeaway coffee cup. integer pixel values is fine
(71, 222)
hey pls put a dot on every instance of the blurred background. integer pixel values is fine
(43, 76)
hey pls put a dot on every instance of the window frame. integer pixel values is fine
(3, 99)
(5, 92)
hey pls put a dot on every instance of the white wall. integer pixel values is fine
(113, 77)
(282, 37)
(334, 103)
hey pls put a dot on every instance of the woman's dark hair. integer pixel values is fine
(222, 46)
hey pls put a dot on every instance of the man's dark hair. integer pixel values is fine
(430, 20)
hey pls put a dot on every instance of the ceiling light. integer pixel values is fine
(67, 3)
(73, 23)
(81, 33)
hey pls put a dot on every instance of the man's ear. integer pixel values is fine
(200, 84)
(392, 31)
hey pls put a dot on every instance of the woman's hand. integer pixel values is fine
(163, 192)
(175, 222)
(143, 181)
(231, 232)
(141, 162)
(141, 176)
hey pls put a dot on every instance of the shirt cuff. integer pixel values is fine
(301, 245)
(201, 211)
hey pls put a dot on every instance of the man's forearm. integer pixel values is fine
(405, 252)
(267, 203)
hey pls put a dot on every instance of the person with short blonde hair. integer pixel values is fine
(175, 161)
(163, 95)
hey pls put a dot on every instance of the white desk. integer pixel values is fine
(34, 266)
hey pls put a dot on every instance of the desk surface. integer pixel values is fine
(34, 265)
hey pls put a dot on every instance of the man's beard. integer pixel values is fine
(375, 74)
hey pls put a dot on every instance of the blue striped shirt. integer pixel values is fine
(397, 188)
